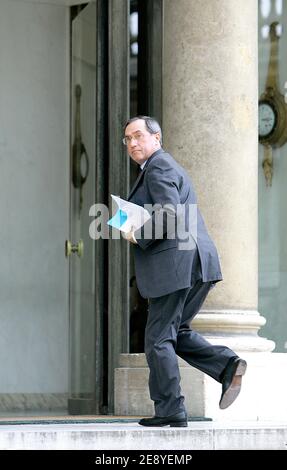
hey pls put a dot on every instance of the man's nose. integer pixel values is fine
(133, 142)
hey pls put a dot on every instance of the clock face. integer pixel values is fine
(267, 119)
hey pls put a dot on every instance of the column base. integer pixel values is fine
(237, 329)
(263, 394)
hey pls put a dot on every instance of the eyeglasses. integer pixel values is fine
(138, 137)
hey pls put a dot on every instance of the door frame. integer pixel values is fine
(101, 178)
(118, 266)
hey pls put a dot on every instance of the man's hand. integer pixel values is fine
(130, 236)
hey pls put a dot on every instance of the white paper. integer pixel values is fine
(136, 215)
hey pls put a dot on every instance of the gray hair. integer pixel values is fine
(151, 124)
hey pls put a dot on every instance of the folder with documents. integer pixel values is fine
(129, 216)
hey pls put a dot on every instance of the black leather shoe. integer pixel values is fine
(179, 420)
(231, 382)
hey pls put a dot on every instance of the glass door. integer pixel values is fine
(84, 386)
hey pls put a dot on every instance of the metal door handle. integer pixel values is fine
(77, 248)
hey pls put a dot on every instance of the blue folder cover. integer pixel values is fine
(118, 219)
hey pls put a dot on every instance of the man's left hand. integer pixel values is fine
(130, 237)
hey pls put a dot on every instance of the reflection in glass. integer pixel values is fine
(278, 7)
(265, 8)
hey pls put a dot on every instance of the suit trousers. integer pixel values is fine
(168, 335)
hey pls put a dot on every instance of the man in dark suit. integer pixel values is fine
(176, 265)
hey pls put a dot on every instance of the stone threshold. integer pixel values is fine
(73, 419)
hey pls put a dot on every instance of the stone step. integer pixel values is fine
(129, 435)
(262, 398)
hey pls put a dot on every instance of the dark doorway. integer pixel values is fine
(145, 99)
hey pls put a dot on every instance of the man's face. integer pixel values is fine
(140, 143)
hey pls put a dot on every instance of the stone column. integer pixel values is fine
(210, 126)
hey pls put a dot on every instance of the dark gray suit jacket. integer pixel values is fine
(172, 263)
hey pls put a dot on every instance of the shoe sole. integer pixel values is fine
(178, 425)
(175, 424)
(234, 389)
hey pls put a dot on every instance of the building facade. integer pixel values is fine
(72, 72)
